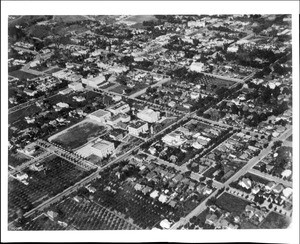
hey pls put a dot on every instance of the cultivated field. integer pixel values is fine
(57, 175)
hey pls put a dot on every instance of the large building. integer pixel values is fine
(102, 148)
(148, 115)
(174, 139)
(95, 81)
(100, 116)
(120, 107)
(197, 67)
(137, 128)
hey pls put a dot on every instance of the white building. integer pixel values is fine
(197, 67)
(100, 116)
(174, 139)
(197, 23)
(94, 82)
(62, 105)
(233, 49)
(148, 115)
(76, 86)
(137, 128)
(120, 107)
(195, 95)
(102, 148)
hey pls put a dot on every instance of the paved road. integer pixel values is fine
(241, 172)
(32, 161)
(69, 156)
(271, 178)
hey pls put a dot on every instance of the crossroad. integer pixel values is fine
(202, 206)
(69, 156)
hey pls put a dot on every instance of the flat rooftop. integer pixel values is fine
(100, 113)
(103, 143)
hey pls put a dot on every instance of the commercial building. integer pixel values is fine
(148, 115)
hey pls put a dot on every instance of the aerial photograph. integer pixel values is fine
(149, 122)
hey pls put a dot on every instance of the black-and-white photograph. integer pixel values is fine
(150, 121)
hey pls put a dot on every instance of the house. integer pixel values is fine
(211, 219)
(52, 215)
(165, 224)
(154, 194)
(245, 182)
(278, 189)
(91, 189)
(270, 185)
(162, 198)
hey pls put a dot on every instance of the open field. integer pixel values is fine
(232, 203)
(22, 75)
(78, 135)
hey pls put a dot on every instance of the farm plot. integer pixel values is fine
(79, 135)
(87, 215)
(141, 209)
(57, 175)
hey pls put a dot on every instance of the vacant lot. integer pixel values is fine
(79, 135)
(231, 203)
(275, 221)
(21, 75)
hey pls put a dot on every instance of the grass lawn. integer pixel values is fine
(22, 75)
(232, 203)
(290, 138)
(275, 221)
(119, 89)
(79, 135)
